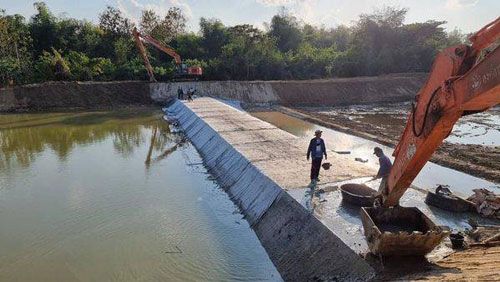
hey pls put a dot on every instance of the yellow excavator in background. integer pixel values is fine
(183, 72)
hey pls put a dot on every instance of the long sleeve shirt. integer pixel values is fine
(385, 166)
(316, 148)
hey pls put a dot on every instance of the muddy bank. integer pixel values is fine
(55, 96)
(324, 92)
(386, 127)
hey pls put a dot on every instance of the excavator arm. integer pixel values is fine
(138, 37)
(144, 55)
(464, 79)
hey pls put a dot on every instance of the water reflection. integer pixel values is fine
(114, 196)
(23, 137)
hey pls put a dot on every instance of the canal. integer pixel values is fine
(115, 196)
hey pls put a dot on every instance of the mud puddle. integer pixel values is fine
(477, 129)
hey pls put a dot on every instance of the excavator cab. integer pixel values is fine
(188, 73)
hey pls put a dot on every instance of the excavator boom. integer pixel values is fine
(463, 80)
(138, 37)
(144, 55)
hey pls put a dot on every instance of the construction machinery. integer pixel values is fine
(183, 71)
(464, 80)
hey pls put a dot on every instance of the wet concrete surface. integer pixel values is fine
(342, 217)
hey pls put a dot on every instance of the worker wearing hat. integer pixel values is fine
(383, 171)
(316, 151)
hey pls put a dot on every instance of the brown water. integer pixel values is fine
(114, 196)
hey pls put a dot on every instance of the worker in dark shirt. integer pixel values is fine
(316, 150)
(383, 171)
(180, 93)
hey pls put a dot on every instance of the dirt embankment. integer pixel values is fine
(53, 96)
(475, 264)
(348, 91)
(477, 160)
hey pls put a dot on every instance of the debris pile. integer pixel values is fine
(484, 235)
(487, 203)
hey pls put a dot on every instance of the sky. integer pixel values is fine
(465, 15)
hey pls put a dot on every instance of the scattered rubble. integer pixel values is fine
(487, 203)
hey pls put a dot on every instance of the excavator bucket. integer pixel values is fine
(400, 231)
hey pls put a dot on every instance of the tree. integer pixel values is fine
(166, 29)
(214, 37)
(15, 47)
(51, 66)
(189, 46)
(174, 24)
(43, 29)
(286, 29)
(149, 22)
(47, 47)
(113, 22)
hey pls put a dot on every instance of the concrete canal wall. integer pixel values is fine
(255, 163)
(328, 92)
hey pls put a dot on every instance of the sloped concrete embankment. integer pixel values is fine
(328, 92)
(74, 95)
(300, 246)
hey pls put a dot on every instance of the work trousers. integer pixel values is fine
(315, 166)
(382, 189)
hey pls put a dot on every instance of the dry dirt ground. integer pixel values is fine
(386, 127)
(475, 264)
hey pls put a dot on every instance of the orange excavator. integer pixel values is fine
(183, 72)
(464, 80)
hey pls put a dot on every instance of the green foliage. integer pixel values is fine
(166, 29)
(113, 22)
(52, 66)
(15, 45)
(214, 37)
(10, 71)
(286, 29)
(85, 68)
(47, 47)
